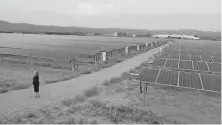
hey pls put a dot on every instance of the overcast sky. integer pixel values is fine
(137, 14)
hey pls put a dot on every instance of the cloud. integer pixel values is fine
(94, 9)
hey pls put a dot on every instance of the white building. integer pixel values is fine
(160, 36)
(176, 36)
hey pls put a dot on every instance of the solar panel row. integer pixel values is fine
(192, 57)
(195, 57)
(184, 57)
(172, 63)
(214, 67)
(182, 79)
(188, 65)
(190, 80)
(165, 55)
(168, 77)
(206, 58)
(174, 56)
(211, 82)
(185, 65)
(159, 62)
(200, 66)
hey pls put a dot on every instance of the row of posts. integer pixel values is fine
(103, 54)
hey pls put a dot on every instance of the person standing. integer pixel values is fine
(36, 84)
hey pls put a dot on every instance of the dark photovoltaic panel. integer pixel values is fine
(195, 57)
(168, 77)
(192, 52)
(211, 82)
(217, 54)
(209, 53)
(200, 66)
(200, 52)
(159, 62)
(214, 67)
(174, 56)
(171, 63)
(217, 59)
(184, 57)
(175, 51)
(190, 79)
(206, 58)
(148, 75)
(183, 52)
(168, 51)
(185, 65)
(165, 55)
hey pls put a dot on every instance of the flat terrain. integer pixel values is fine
(62, 47)
(118, 100)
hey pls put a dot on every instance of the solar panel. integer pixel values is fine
(192, 52)
(214, 67)
(148, 75)
(168, 77)
(190, 80)
(200, 66)
(159, 62)
(206, 58)
(183, 52)
(195, 57)
(174, 56)
(211, 82)
(184, 57)
(165, 55)
(185, 65)
(171, 63)
(217, 59)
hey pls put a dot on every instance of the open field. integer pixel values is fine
(62, 47)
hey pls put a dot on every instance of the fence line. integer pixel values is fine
(73, 63)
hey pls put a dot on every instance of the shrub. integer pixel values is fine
(116, 80)
(80, 98)
(92, 92)
(59, 80)
(93, 122)
(118, 61)
(68, 102)
(86, 72)
(3, 90)
(20, 86)
(106, 83)
(125, 75)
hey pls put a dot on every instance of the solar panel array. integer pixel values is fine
(187, 68)
(192, 80)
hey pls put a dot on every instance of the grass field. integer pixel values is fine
(62, 47)
(16, 73)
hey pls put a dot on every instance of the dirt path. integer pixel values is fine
(56, 92)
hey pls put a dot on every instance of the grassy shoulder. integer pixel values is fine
(110, 103)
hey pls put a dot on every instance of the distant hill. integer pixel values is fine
(30, 28)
